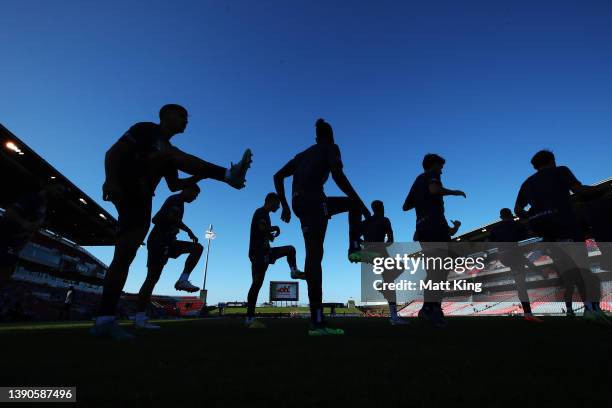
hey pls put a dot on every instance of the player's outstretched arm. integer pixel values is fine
(439, 189)
(589, 191)
(189, 232)
(279, 184)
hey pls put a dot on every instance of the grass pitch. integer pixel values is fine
(218, 363)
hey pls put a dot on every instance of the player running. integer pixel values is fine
(426, 196)
(551, 217)
(510, 232)
(378, 234)
(134, 167)
(262, 255)
(20, 222)
(162, 245)
(310, 170)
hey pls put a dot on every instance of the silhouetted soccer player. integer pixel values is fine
(162, 245)
(597, 212)
(551, 217)
(377, 230)
(20, 222)
(510, 231)
(310, 170)
(426, 196)
(262, 255)
(134, 167)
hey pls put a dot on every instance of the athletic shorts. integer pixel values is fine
(134, 212)
(432, 230)
(266, 258)
(312, 212)
(160, 249)
(557, 227)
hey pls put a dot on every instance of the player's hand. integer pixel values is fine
(286, 214)
(111, 191)
(275, 230)
(459, 193)
(456, 223)
(193, 238)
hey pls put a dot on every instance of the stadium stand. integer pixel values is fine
(55, 258)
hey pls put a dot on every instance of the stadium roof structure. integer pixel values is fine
(77, 218)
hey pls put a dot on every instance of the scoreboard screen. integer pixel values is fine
(281, 291)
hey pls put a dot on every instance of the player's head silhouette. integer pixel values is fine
(173, 118)
(325, 134)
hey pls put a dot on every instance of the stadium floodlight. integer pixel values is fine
(52, 177)
(83, 201)
(210, 235)
(102, 216)
(484, 230)
(13, 147)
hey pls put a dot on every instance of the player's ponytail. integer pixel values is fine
(325, 134)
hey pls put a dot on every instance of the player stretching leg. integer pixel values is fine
(262, 255)
(378, 234)
(510, 232)
(134, 166)
(551, 216)
(162, 245)
(426, 196)
(310, 170)
(598, 214)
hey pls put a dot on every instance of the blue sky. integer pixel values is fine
(485, 84)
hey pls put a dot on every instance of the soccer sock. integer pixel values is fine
(569, 307)
(319, 316)
(393, 310)
(104, 320)
(588, 306)
(526, 308)
(184, 276)
(249, 319)
(595, 306)
(140, 316)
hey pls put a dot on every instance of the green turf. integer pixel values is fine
(276, 310)
(218, 363)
